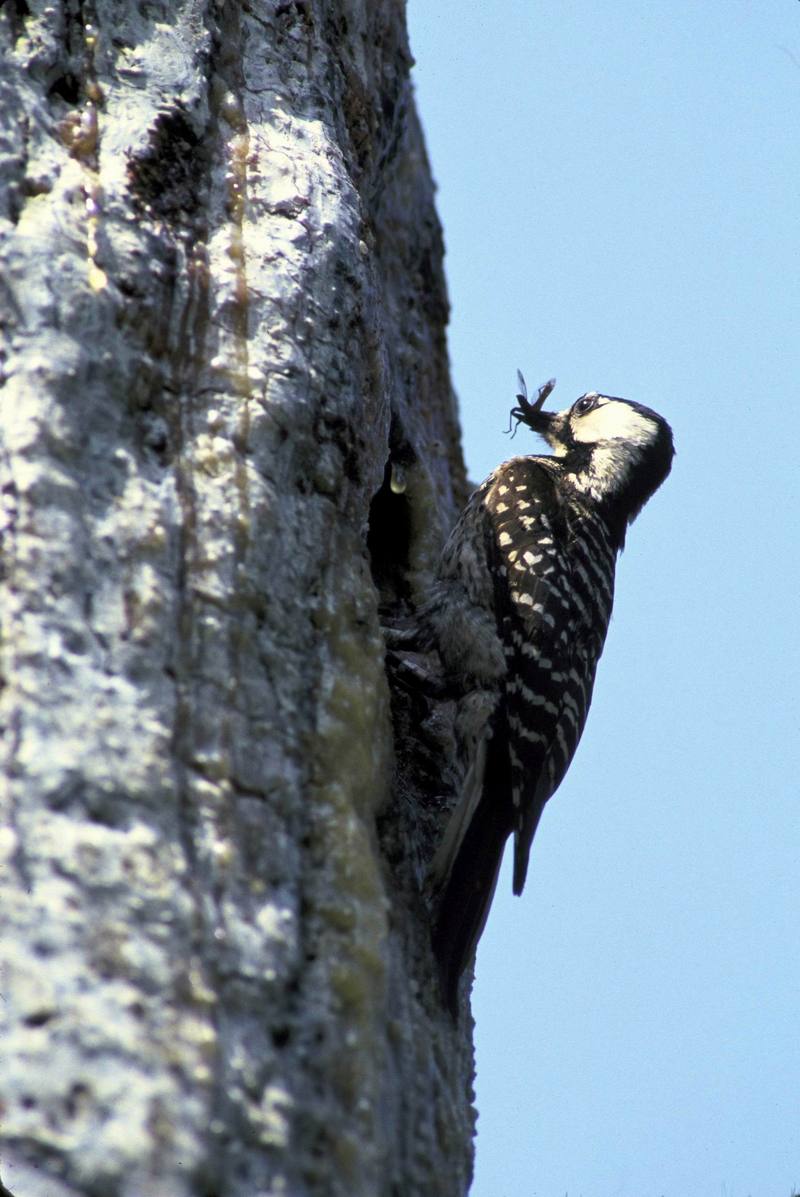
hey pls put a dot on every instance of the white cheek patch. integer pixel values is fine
(610, 470)
(613, 421)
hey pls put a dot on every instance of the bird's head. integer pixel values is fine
(614, 451)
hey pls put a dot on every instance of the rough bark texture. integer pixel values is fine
(223, 314)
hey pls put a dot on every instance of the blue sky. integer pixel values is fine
(618, 186)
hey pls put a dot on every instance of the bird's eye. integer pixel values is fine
(585, 404)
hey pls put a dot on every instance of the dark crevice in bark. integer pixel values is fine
(170, 177)
(67, 87)
(389, 541)
(18, 12)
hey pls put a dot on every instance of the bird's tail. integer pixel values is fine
(472, 849)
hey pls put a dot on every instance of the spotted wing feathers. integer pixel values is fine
(553, 609)
(520, 616)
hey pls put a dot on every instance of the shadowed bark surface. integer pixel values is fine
(227, 436)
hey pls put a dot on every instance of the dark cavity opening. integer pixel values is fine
(389, 540)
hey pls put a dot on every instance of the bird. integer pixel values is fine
(518, 614)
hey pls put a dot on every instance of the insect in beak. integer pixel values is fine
(529, 413)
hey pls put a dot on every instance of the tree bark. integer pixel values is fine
(227, 435)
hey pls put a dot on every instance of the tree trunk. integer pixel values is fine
(227, 434)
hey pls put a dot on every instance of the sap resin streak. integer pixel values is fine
(519, 616)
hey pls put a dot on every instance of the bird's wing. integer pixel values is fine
(521, 749)
(549, 643)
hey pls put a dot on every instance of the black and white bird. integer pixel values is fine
(519, 616)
